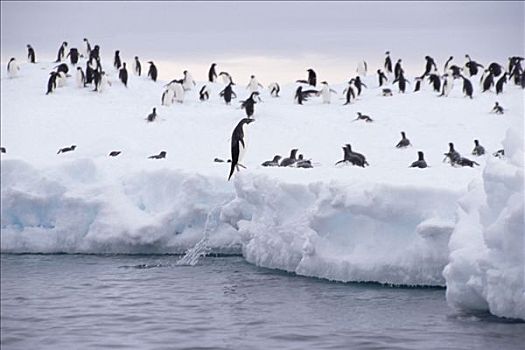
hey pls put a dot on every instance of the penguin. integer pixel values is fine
(398, 70)
(388, 63)
(228, 93)
(123, 75)
(95, 53)
(274, 89)
(161, 155)
(515, 73)
(326, 92)
(487, 81)
(352, 157)
(478, 150)
(137, 67)
(273, 162)
(12, 68)
(499, 154)
(61, 52)
(61, 79)
(472, 66)
(465, 162)
(447, 63)
(359, 85)
(435, 80)
(249, 104)
(500, 82)
(116, 61)
(81, 78)
(92, 66)
(290, 160)
(312, 78)
(386, 92)
(187, 82)
(88, 47)
(302, 96)
(404, 141)
(401, 81)
(363, 117)
(103, 82)
(238, 145)
(97, 79)
(67, 149)
(417, 87)
(382, 77)
(114, 153)
(495, 69)
(152, 116)
(212, 75)
(362, 68)
(455, 71)
(204, 93)
(452, 154)
(178, 90)
(73, 55)
(152, 72)
(62, 68)
(167, 97)
(3, 150)
(420, 162)
(448, 84)
(226, 77)
(303, 163)
(52, 82)
(253, 85)
(497, 109)
(218, 160)
(349, 92)
(30, 54)
(467, 87)
(428, 67)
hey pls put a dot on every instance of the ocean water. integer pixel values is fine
(150, 302)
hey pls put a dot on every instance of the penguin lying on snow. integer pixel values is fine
(161, 155)
(303, 163)
(152, 116)
(404, 141)
(290, 160)
(273, 162)
(363, 117)
(352, 157)
(420, 162)
(497, 109)
(114, 153)
(67, 149)
(478, 150)
(452, 154)
(302, 96)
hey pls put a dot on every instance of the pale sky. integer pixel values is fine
(274, 40)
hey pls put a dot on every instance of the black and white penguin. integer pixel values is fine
(497, 109)
(249, 104)
(253, 85)
(62, 68)
(401, 82)
(88, 47)
(388, 63)
(273, 162)
(452, 154)
(212, 75)
(495, 68)
(167, 97)
(12, 68)
(101, 81)
(290, 160)
(382, 77)
(176, 85)
(352, 157)
(73, 55)
(417, 86)
(226, 78)
(363, 117)
(274, 89)
(326, 92)
(152, 72)
(204, 93)
(349, 92)
(478, 150)
(67, 149)
(312, 78)
(187, 82)
(447, 64)
(362, 68)
(435, 80)
(428, 66)
(448, 85)
(386, 92)
(420, 162)
(114, 153)
(455, 71)
(499, 154)
(500, 82)
(161, 155)
(123, 75)
(238, 145)
(31, 58)
(61, 52)
(116, 60)
(462, 161)
(398, 70)
(228, 93)
(303, 163)
(152, 116)
(467, 87)
(302, 96)
(137, 67)
(80, 78)
(487, 81)
(95, 53)
(472, 66)
(404, 141)
(359, 85)
(52, 82)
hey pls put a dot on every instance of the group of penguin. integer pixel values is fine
(494, 75)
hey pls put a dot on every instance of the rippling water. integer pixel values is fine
(149, 302)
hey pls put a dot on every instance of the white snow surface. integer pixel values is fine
(386, 223)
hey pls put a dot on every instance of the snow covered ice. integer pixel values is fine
(462, 228)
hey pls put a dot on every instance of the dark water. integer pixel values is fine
(148, 302)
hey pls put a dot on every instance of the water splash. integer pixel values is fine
(192, 255)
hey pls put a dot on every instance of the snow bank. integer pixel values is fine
(487, 247)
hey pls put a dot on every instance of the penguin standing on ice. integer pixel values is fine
(238, 145)
(401, 81)
(253, 85)
(349, 92)
(178, 90)
(187, 82)
(452, 154)
(101, 81)
(116, 61)
(312, 78)
(52, 82)
(226, 77)
(398, 70)
(152, 116)
(487, 81)
(81, 78)
(249, 104)
(30, 54)
(88, 47)
(123, 75)
(362, 68)
(467, 87)
(137, 67)
(326, 92)
(302, 96)
(61, 52)
(204, 93)
(12, 68)
(388, 63)
(73, 55)
(228, 93)
(274, 89)
(478, 150)
(472, 66)
(435, 80)
(212, 75)
(500, 82)
(428, 67)
(382, 77)
(167, 97)
(448, 84)
(359, 85)
(152, 72)
(495, 68)
(420, 162)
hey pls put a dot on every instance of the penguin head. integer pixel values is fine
(403, 134)
(12, 59)
(185, 72)
(451, 146)
(300, 157)
(73, 147)
(252, 76)
(277, 158)
(359, 114)
(379, 71)
(420, 155)
(348, 147)
(28, 46)
(247, 120)
(324, 82)
(136, 58)
(79, 68)
(387, 53)
(476, 142)
(64, 43)
(293, 153)
(150, 62)
(154, 109)
(213, 64)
